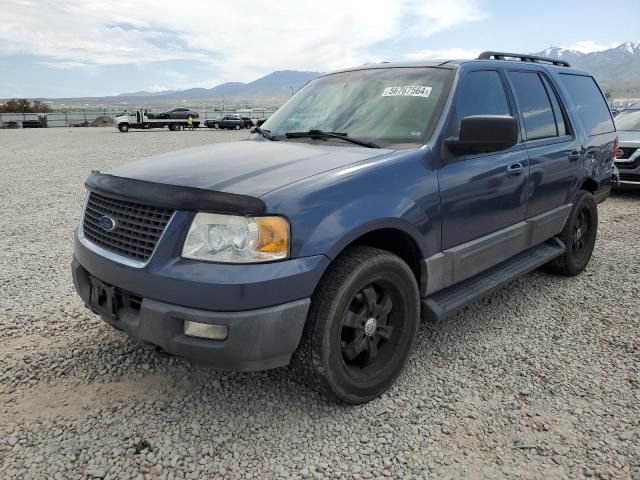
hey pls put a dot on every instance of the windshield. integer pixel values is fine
(628, 120)
(388, 106)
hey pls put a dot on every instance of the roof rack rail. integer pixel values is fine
(522, 58)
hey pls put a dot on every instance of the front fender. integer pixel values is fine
(344, 225)
(331, 210)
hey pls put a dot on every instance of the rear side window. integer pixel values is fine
(481, 93)
(533, 101)
(591, 106)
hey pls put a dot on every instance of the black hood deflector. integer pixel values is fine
(173, 196)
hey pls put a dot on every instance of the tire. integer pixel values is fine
(123, 127)
(578, 235)
(361, 327)
(216, 125)
(237, 127)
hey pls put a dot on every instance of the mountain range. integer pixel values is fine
(280, 83)
(616, 69)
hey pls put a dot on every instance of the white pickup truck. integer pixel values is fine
(174, 119)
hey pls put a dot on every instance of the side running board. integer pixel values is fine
(450, 300)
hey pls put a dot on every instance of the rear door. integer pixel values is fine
(552, 146)
(481, 193)
(598, 133)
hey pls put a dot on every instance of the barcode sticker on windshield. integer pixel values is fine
(410, 91)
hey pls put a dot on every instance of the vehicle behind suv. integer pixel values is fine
(375, 196)
(628, 154)
(234, 122)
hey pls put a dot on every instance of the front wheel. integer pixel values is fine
(123, 127)
(579, 236)
(237, 127)
(361, 327)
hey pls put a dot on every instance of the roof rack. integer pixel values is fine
(522, 58)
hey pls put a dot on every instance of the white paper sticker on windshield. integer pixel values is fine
(410, 91)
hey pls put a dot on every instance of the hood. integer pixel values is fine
(628, 138)
(245, 167)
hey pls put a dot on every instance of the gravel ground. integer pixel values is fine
(540, 380)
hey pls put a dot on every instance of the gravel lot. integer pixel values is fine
(540, 380)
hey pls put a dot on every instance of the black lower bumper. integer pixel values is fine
(257, 339)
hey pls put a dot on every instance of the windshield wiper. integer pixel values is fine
(265, 133)
(322, 134)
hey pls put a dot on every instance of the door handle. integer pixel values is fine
(514, 169)
(574, 155)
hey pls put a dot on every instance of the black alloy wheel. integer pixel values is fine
(361, 326)
(578, 235)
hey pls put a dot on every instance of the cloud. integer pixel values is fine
(442, 54)
(157, 88)
(588, 46)
(237, 42)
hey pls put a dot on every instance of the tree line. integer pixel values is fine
(23, 105)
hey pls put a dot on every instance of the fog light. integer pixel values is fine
(205, 330)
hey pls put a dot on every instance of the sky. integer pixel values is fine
(77, 48)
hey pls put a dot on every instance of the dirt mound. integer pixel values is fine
(102, 121)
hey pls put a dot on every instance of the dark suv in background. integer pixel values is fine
(234, 122)
(374, 196)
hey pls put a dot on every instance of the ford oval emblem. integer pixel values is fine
(107, 223)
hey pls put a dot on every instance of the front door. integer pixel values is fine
(481, 193)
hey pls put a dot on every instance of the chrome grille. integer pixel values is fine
(627, 151)
(137, 227)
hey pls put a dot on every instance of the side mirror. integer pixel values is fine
(485, 134)
(260, 121)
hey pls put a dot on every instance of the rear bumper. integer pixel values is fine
(257, 339)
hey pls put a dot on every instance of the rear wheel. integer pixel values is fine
(579, 236)
(361, 327)
(237, 127)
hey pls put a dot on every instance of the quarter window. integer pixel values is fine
(535, 105)
(590, 105)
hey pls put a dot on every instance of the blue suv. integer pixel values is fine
(375, 196)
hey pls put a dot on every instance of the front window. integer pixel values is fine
(388, 106)
(628, 120)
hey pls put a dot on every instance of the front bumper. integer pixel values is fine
(263, 305)
(257, 339)
(629, 171)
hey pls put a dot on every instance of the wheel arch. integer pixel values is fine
(393, 235)
(589, 184)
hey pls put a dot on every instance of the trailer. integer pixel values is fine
(145, 120)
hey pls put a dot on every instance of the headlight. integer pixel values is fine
(235, 239)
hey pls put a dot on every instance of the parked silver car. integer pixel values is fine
(628, 155)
